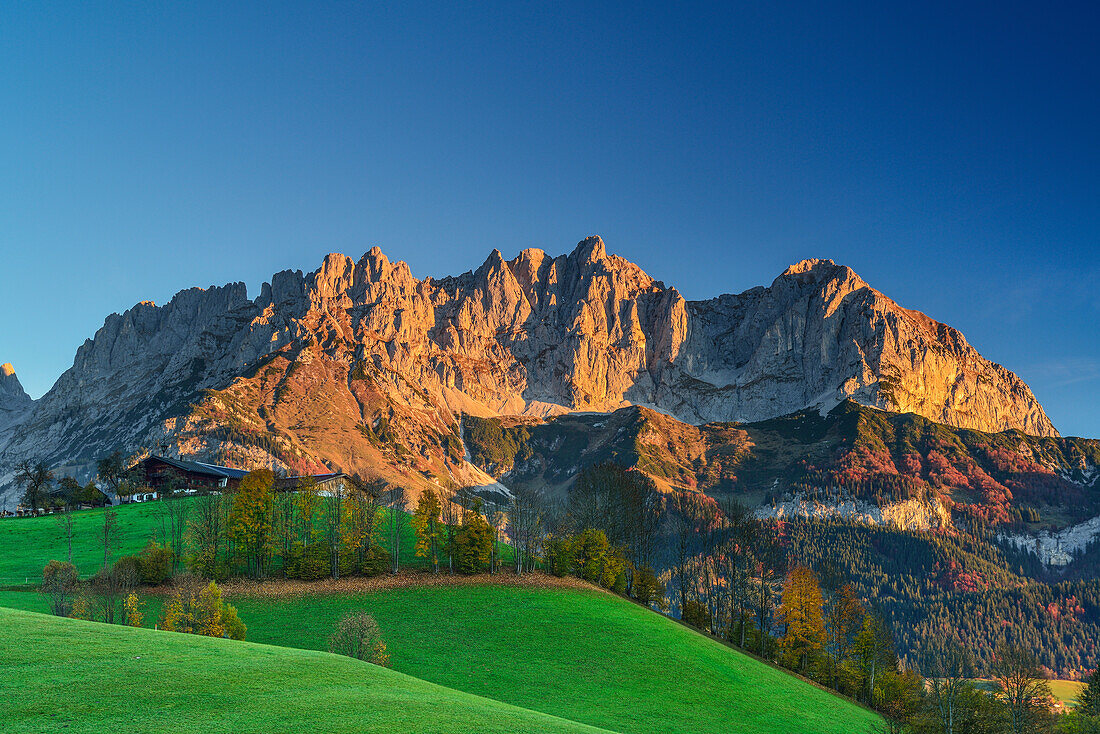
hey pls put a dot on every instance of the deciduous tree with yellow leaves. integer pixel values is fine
(198, 609)
(250, 520)
(800, 612)
(429, 527)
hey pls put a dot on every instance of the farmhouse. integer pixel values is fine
(158, 471)
(196, 476)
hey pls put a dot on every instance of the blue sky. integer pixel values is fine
(948, 154)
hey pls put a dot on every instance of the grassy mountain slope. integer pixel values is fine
(64, 675)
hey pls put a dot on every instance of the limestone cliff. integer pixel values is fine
(820, 335)
(360, 365)
(14, 401)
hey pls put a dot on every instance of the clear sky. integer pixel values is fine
(948, 152)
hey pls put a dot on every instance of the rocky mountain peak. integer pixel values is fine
(809, 265)
(494, 262)
(375, 263)
(590, 249)
(822, 272)
(13, 397)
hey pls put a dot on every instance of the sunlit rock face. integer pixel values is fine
(913, 514)
(13, 399)
(536, 334)
(819, 335)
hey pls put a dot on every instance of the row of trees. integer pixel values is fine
(44, 490)
(354, 527)
(462, 530)
(304, 533)
(110, 596)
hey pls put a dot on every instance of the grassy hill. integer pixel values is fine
(64, 675)
(30, 543)
(584, 655)
(580, 654)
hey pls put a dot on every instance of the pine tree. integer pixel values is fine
(1088, 701)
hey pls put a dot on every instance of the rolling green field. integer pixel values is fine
(1066, 691)
(63, 675)
(30, 543)
(582, 655)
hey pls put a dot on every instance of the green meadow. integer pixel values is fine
(29, 543)
(583, 655)
(64, 675)
(530, 658)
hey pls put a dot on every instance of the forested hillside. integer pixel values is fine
(1002, 479)
(932, 586)
(830, 488)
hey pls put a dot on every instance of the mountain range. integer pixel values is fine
(360, 366)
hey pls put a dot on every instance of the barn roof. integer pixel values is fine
(214, 470)
(198, 467)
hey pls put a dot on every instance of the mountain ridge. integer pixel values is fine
(537, 334)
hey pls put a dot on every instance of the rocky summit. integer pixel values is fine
(363, 367)
(13, 399)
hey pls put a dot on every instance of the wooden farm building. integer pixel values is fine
(197, 476)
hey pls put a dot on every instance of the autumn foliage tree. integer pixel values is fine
(250, 519)
(800, 612)
(844, 617)
(430, 532)
(473, 542)
(198, 609)
(131, 607)
(361, 520)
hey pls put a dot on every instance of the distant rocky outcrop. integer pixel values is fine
(13, 399)
(361, 366)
